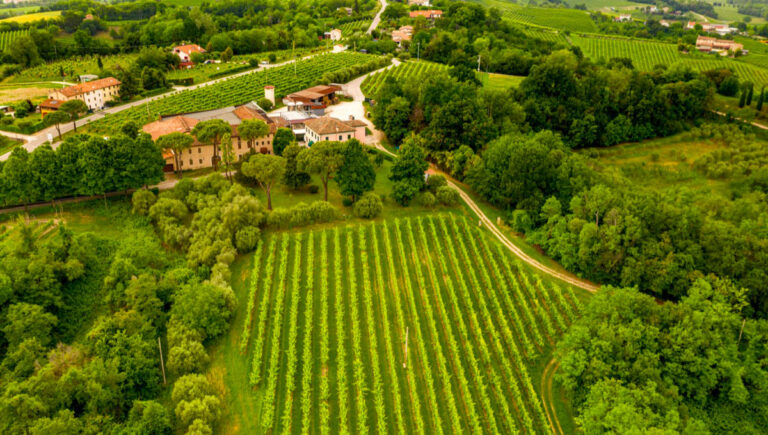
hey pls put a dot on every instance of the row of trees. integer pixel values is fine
(81, 165)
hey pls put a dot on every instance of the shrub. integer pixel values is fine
(447, 196)
(265, 104)
(521, 221)
(247, 238)
(142, 200)
(322, 211)
(426, 199)
(279, 218)
(346, 202)
(313, 188)
(369, 206)
(435, 182)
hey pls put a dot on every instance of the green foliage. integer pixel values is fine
(293, 178)
(204, 308)
(267, 170)
(284, 137)
(448, 196)
(435, 181)
(324, 159)
(197, 407)
(368, 206)
(142, 200)
(356, 174)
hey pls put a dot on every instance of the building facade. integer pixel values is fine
(95, 94)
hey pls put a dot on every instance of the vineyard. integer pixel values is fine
(420, 68)
(7, 37)
(420, 325)
(72, 67)
(242, 89)
(354, 26)
(645, 55)
(558, 18)
(543, 34)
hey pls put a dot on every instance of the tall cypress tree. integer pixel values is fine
(749, 94)
(743, 97)
(760, 99)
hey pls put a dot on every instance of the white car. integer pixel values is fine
(264, 62)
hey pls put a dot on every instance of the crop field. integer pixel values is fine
(558, 18)
(417, 325)
(72, 67)
(7, 37)
(499, 82)
(28, 18)
(420, 68)
(354, 26)
(645, 55)
(235, 91)
(544, 34)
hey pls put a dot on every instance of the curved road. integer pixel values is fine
(377, 18)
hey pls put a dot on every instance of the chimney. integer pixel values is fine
(269, 93)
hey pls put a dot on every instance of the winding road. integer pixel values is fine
(377, 18)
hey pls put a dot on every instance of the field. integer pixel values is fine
(542, 33)
(646, 54)
(499, 82)
(558, 18)
(7, 37)
(28, 18)
(355, 26)
(72, 67)
(417, 325)
(419, 68)
(286, 79)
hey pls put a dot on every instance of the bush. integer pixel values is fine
(346, 202)
(142, 200)
(435, 182)
(521, 221)
(265, 104)
(313, 188)
(247, 238)
(279, 218)
(322, 211)
(426, 199)
(369, 206)
(447, 196)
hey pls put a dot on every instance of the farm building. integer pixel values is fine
(707, 44)
(333, 35)
(431, 14)
(326, 128)
(312, 100)
(185, 51)
(201, 155)
(404, 33)
(419, 3)
(623, 18)
(49, 105)
(95, 94)
(720, 29)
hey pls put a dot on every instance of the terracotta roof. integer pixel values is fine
(356, 123)
(328, 125)
(313, 93)
(91, 86)
(427, 14)
(189, 48)
(52, 104)
(181, 124)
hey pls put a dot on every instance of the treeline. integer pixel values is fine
(81, 165)
(633, 365)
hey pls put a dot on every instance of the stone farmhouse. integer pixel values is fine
(95, 94)
(326, 128)
(714, 45)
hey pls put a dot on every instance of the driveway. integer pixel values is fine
(377, 18)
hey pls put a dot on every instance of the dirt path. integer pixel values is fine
(548, 396)
(377, 18)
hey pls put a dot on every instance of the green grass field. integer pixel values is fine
(499, 82)
(28, 18)
(327, 315)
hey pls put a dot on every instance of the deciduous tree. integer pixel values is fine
(324, 159)
(267, 170)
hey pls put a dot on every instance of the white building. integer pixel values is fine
(185, 51)
(95, 93)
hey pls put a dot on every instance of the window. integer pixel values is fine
(190, 162)
(199, 151)
(201, 161)
(349, 136)
(238, 145)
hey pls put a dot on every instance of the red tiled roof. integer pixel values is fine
(181, 124)
(426, 14)
(91, 86)
(327, 125)
(52, 104)
(189, 48)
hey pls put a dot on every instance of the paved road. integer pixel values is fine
(377, 18)
(41, 137)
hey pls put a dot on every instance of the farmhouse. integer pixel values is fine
(95, 94)
(707, 44)
(185, 51)
(333, 35)
(404, 33)
(720, 29)
(49, 105)
(201, 155)
(431, 14)
(313, 100)
(623, 18)
(419, 3)
(326, 128)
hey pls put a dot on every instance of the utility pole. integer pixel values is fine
(162, 364)
(743, 322)
(478, 63)
(405, 360)
(418, 50)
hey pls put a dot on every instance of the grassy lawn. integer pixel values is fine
(456, 292)
(7, 144)
(500, 82)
